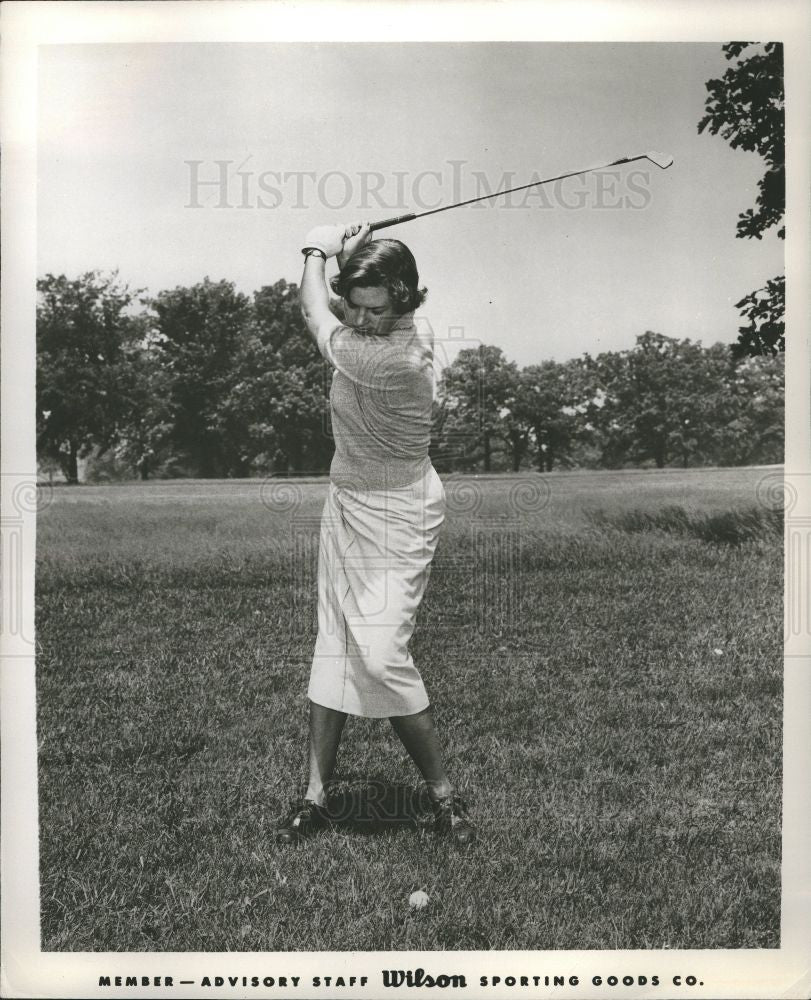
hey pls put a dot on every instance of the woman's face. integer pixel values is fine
(369, 310)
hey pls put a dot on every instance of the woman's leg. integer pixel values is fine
(305, 818)
(419, 737)
(326, 726)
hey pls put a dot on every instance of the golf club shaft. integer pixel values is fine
(385, 223)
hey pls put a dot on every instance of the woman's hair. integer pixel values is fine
(383, 263)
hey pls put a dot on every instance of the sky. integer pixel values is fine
(173, 162)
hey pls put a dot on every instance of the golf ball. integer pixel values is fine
(417, 900)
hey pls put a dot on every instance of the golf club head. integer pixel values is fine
(662, 160)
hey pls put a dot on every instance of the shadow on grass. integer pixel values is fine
(372, 805)
(726, 527)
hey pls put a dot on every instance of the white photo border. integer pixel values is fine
(28, 972)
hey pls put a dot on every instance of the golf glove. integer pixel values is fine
(328, 239)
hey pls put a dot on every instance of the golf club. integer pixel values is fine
(662, 160)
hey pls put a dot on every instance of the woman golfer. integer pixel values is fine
(381, 519)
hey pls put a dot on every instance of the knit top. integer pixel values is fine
(380, 401)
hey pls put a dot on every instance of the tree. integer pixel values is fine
(454, 442)
(660, 401)
(477, 388)
(765, 309)
(752, 432)
(747, 106)
(602, 406)
(546, 404)
(284, 397)
(201, 335)
(84, 328)
(146, 423)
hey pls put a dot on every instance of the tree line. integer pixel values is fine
(664, 402)
(209, 382)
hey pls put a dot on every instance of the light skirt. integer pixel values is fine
(374, 561)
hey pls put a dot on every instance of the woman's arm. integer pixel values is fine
(315, 298)
(331, 241)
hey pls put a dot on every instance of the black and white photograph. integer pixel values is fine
(405, 500)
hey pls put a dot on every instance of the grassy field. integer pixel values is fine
(603, 652)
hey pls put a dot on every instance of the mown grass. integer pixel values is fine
(610, 700)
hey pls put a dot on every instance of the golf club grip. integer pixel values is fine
(385, 223)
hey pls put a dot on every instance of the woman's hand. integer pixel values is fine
(328, 239)
(355, 236)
